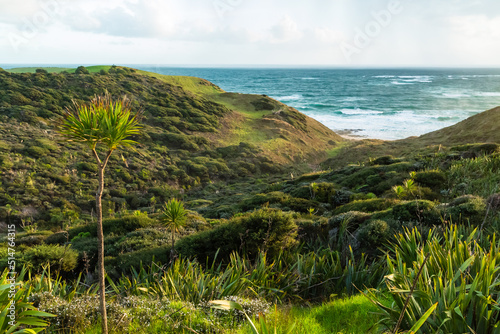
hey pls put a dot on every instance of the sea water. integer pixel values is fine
(374, 103)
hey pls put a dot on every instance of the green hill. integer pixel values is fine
(481, 128)
(194, 134)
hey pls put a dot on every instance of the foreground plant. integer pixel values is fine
(107, 123)
(459, 279)
(15, 310)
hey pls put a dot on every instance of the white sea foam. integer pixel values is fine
(402, 124)
(352, 99)
(454, 95)
(358, 111)
(402, 83)
(416, 78)
(384, 76)
(294, 97)
(487, 94)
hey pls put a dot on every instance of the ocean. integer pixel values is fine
(384, 104)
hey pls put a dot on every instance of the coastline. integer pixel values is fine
(350, 134)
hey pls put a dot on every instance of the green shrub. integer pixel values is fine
(368, 205)
(117, 226)
(54, 255)
(303, 205)
(312, 230)
(421, 211)
(467, 208)
(431, 179)
(80, 313)
(256, 201)
(36, 151)
(31, 240)
(81, 235)
(59, 238)
(138, 240)
(267, 229)
(322, 192)
(136, 259)
(354, 218)
(385, 160)
(374, 234)
(225, 238)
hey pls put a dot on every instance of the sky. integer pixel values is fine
(338, 33)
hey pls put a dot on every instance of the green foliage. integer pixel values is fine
(374, 234)
(121, 225)
(368, 205)
(466, 209)
(102, 121)
(465, 302)
(257, 201)
(81, 235)
(80, 313)
(267, 229)
(434, 179)
(54, 255)
(17, 315)
(58, 238)
(81, 70)
(419, 211)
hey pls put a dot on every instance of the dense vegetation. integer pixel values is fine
(258, 230)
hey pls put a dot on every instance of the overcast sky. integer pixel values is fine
(260, 32)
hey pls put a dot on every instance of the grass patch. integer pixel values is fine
(351, 315)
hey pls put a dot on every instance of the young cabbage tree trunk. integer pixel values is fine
(101, 166)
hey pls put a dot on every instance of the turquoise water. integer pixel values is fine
(374, 103)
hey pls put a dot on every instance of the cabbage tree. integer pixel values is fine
(103, 125)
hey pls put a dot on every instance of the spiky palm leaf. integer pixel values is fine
(174, 214)
(102, 121)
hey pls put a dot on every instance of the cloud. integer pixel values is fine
(285, 31)
(475, 26)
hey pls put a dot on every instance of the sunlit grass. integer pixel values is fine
(351, 315)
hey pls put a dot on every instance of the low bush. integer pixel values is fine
(80, 313)
(419, 211)
(258, 200)
(54, 255)
(368, 205)
(303, 206)
(59, 238)
(466, 208)
(431, 179)
(373, 234)
(267, 229)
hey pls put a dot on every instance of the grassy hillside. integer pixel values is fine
(480, 128)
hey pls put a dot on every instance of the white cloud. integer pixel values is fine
(285, 31)
(476, 26)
